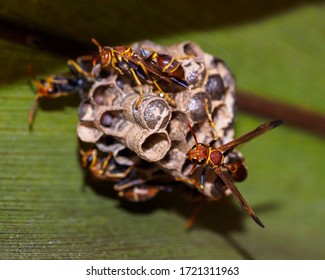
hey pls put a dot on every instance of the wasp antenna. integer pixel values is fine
(31, 115)
(206, 107)
(192, 132)
(196, 145)
(96, 59)
(97, 44)
(193, 217)
(33, 82)
(31, 72)
(82, 152)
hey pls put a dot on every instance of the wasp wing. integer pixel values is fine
(227, 180)
(148, 66)
(228, 147)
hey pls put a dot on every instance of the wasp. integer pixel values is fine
(139, 190)
(78, 80)
(167, 65)
(103, 166)
(209, 157)
(142, 66)
(131, 185)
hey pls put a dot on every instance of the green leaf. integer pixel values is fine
(48, 209)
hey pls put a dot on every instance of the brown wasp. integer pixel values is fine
(55, 86)
(138, 190)
(131, 185)
(103, 166)
(142, 65)
(210, 157)
(167, 64)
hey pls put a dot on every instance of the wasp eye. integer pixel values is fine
(106, 58)
(89, 160)
(192, 155)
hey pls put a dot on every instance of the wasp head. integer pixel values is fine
(198, 154)
(88, 158)
(105, 54)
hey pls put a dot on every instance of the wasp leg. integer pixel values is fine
(106, 167)
(109, 173)
(125, 184)
(154, 55)
(75, 68)
(193, 217)
(144, 69)
(202, 178)
(165, 95)
(116, 68)
(32, 113)
(83, 60)
(126, 189)
(206, 106)
(104, 164)
(140, 88)
(212, 142)
(141, 193)
(190, 181)
(40, 92)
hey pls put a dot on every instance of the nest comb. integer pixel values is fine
(156, 132)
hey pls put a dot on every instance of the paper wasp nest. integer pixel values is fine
(156, 133)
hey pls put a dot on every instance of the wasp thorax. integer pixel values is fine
(216, 158)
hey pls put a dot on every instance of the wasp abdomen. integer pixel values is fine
(170, 65)
(237, 171)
